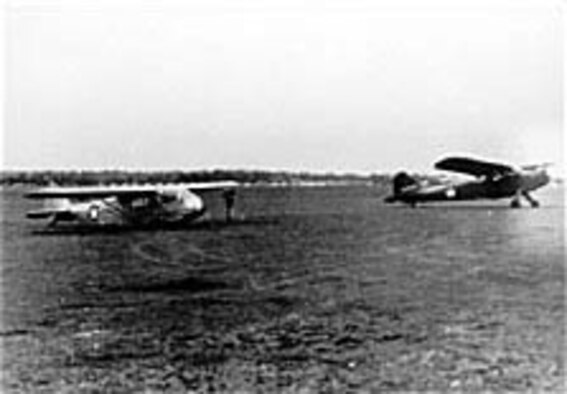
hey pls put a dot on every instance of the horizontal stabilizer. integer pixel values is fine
(40, 214)
(52, 214)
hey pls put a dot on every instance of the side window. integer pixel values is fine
(140, 203)
(168, 198)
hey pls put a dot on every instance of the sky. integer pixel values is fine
(344, 86)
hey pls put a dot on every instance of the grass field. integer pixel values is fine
(311, 290)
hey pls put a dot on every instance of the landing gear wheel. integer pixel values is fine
(515, 203)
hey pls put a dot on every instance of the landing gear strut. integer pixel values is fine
(53, 222)
(515, 203)
(229, 197)
(533, 202)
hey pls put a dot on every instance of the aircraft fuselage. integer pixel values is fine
(505, 186)
(167, 208)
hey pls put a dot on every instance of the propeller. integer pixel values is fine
(533, 167)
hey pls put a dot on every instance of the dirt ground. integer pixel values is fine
(310, 290)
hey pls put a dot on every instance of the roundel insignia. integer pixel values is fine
(451, 193)
(93, 213)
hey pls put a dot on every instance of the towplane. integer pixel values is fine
(135, 205)
(492, 181)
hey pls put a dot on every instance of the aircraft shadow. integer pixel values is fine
(208, 225)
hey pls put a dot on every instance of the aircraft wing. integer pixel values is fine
(202, 186)
(93, 192)
(125, 191)
(474, 167)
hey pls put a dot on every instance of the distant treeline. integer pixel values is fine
(102, 177)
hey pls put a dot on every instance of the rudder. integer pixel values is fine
(400, 182)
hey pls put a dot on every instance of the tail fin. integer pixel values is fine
(400, 182)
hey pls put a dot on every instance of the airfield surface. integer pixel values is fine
(311, 289)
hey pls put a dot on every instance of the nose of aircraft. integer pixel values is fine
(193, 207)
(536, 179)
(193, 203)
(543, 175)
(546, 177)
